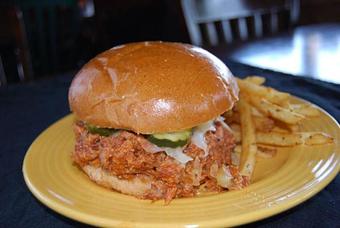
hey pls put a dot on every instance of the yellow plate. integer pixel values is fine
(291, 177)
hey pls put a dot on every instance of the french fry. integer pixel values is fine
(262, 152)
(275, 111)
(293, 128)
(238, 149)
(305, 109)
(268, 93)
(255, 80)
(293, 139)
(249, 148)
(256, 112)
(278, 139)
(236, 155)
(237, 136)
(288, 127)
(280, 130)
(315, 138)
(263, 123)
(265, 151)
(236, 132)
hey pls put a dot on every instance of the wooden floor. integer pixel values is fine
(312, 51)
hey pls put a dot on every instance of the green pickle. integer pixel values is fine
(173, 140)
(100, 131)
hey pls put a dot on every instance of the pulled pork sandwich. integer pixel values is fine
(148, 121)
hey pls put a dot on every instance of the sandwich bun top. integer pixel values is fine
(152, 87)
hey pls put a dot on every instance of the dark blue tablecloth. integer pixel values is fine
(26, 110)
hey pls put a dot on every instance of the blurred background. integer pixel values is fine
(40, 39)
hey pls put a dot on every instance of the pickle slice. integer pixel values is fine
(100, 131)
(166, 142)
(174, 136)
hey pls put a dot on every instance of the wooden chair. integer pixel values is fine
(13, 39)
(46, 28)
(212, 22)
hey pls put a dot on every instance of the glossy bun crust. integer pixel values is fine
(152, 87)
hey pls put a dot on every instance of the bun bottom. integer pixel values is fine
(135, 187)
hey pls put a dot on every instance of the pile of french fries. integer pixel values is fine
(265, 119)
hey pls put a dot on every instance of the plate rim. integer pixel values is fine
(246, 218)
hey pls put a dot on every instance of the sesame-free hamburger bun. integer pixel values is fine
(152, 87)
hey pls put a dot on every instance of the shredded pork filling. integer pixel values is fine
(126, 155)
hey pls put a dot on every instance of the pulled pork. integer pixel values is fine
(126, 154)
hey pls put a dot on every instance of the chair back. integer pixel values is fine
(15, 60)
(48, 24)
(212, 22)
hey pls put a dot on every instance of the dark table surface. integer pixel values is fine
(26, 110)
(311, 50)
